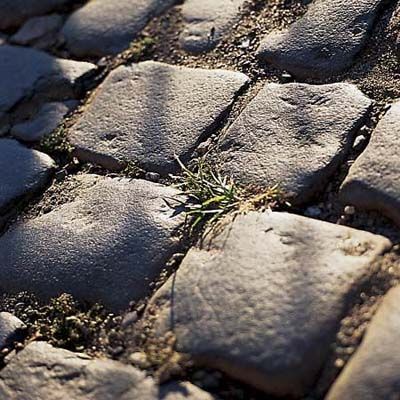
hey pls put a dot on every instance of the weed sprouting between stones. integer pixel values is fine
(212, 195)
(56, 144)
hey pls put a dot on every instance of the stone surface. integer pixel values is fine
(40, 32)
(183, 391)
(41, 371)
(14, 12)
(373, 371)
(206, 21)
(263, 298)
(107, 245)
(324, 41)
(27, 72)
(10, 328)
(23, 172)
(102, 27)
(46, 121)
(294, 135)
(373, 182)
(150, 112)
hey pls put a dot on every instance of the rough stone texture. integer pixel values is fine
(263, 298)
(373, 372)
(102, 27)
(10, 328)
(41, 371)
(107, 245)
(150, 112)
(294, 135)
(14, 12)
(324, 41)
(23, 172)
(183, 391)
(40, 32)
(373, 182)
(25, 72)
(206, 21)
(46, 121)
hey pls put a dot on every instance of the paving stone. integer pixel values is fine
(10, 329)
(263, 298)
(294, 135)
(183, 391)
(107, 245)
(373, 182)
(324, 41)
(23, 172)
(15, 12)
(26, 72)
(102, 27)
(40, 32)
(206, 21)
(151, 111)
(41, 371)
(48, 118)
(373, 371)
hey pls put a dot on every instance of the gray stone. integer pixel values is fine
(40, 32)
(262, 299)
(324, 41)
(10, 329)
(41, 371)
(206, 21)
(108, 245)
(27, 72)
(373, 371)
(106, 27)
(23, 172)
(14, 12)
(150, 112)
(48, 118)
(294, 135)
(183, 391)
(373, 182)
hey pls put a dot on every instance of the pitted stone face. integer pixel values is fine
(325, 41)
(372, 372)
(23, 172)
(104, 27)
(108, 245)
(150, 112)
(29, 75)
(207, 21)
(262, 298)
(41, 371)
(295, 136)
(373, 182)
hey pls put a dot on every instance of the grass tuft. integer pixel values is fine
(212, 195)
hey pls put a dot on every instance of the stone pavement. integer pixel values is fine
(99, 98)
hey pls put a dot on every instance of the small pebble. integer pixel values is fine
(349, 210)
(139, 359)
(286, 77)
(360, 140)
(129, 319)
